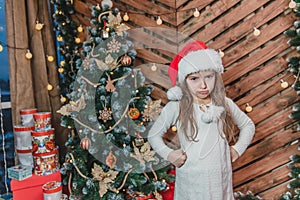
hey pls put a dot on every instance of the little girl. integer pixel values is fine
(206, 122)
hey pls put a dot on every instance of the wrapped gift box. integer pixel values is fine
(32, 188)
(20, 172)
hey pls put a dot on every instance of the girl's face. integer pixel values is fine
(201, 84)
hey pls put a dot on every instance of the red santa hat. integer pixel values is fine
(194, 57)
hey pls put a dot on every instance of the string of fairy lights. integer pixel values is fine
(126, 17)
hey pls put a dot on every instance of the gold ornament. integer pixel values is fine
(248, 108)
(104, 178)
(72, 106)
(105, 114)
(152, 110)
(110, 84)
(144, 154)
(111, 160)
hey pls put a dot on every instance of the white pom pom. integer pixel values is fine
(174, 93)
(206, 118)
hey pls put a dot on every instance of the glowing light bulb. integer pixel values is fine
(284, 84)
(153, 67)
(28, 55)
(221, 53)
(59, 38)
(77, 40)
(292, 4)
(1, 48)
(159, 21)
(248, 108)
(196, 13)
(50, 58)
(174, 128)
(62, 63)
(126, 17)
(256, 32)
(49, 87)
(63, 99)
(39, 26)
(61, 70)
(79, 29)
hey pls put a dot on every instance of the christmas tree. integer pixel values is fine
(108, 112)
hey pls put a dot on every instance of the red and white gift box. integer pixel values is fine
(27, 116)
(42, 121)
(43, 141)
(46, 163)
(52, 190)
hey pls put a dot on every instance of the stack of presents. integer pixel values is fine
(37, 175)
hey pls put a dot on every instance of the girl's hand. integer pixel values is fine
(177, 157)
(234, 154)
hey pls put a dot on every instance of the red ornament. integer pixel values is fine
(126, 60)
(85, 143)
(134, 113)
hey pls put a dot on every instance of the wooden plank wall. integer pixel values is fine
(254, 69)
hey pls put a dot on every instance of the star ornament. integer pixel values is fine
(104, 178)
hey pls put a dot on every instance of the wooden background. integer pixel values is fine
(254, 69)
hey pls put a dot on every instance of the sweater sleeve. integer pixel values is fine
(166, 119)
(246, 126)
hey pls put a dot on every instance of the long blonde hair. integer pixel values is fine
(186, 116)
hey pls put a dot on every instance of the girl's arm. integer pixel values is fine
(166, 119)
(246, 126)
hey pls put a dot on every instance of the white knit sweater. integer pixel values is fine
(207, 172)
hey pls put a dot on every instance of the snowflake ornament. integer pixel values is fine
(114, 46)
(105, 115)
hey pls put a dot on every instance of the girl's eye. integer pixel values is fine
(209, 76)
(193, 78)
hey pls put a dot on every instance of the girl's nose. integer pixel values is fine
(202, 84)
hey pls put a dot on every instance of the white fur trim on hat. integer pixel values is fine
(205, 59)
(174, 93)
